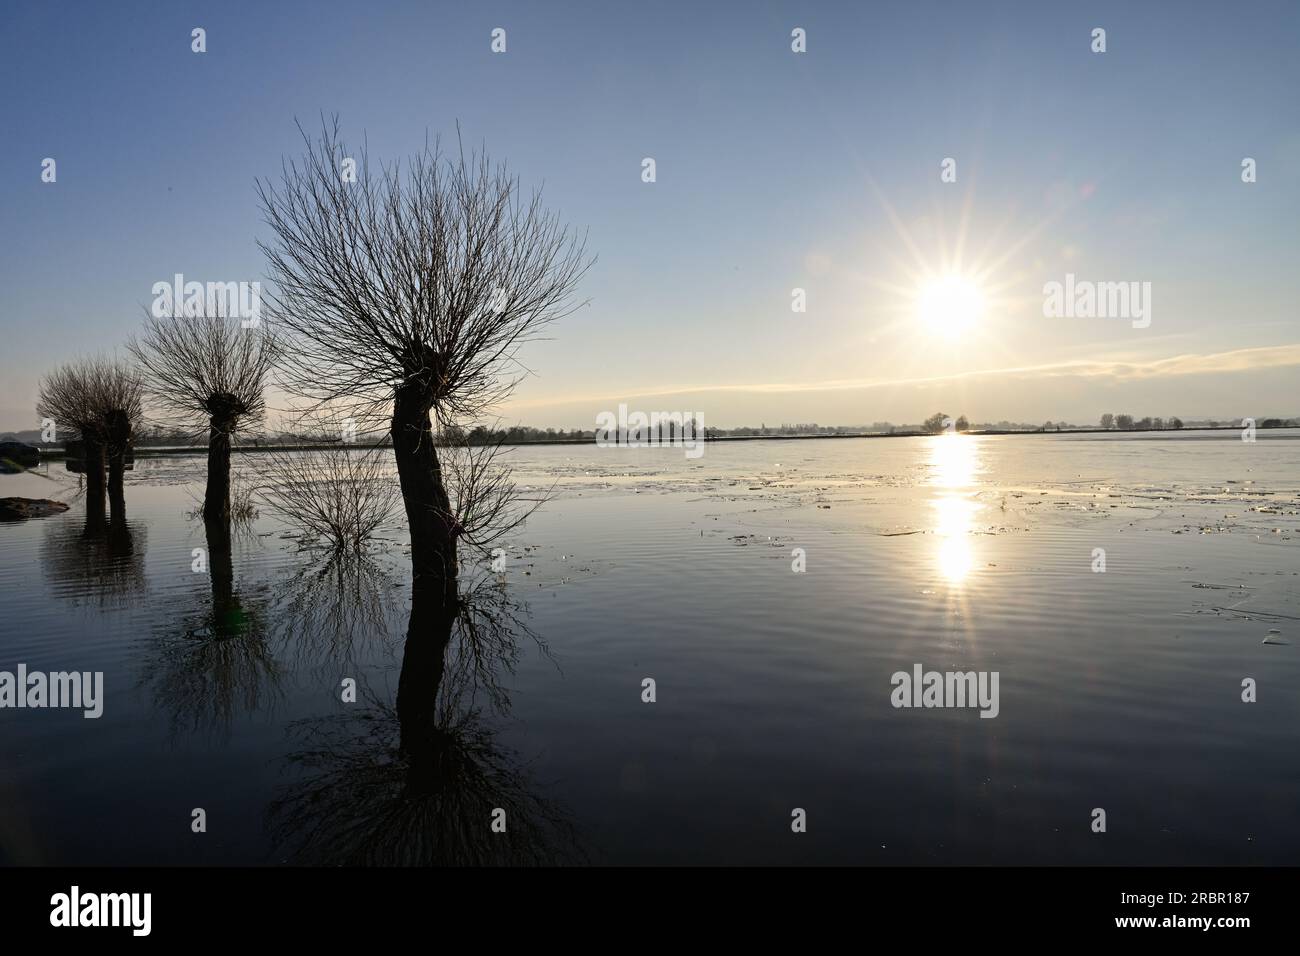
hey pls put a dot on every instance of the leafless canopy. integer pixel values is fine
(206, 368)
(84, 395)
(428, 275)
(340, 495)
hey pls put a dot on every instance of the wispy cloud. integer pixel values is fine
(1116, 369)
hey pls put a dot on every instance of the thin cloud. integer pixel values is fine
(1237, 360)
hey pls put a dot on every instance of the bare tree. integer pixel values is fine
(120, 395)
(406, 293)
(100, 402)
(936, 423)
(66, 397)
(340, 494)
(210, 372)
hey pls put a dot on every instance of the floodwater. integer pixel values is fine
(1119, 689)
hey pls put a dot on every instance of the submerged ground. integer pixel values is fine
(1119, 689)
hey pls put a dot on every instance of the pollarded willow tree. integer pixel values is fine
(99, 401)
(121, 396)
(404, 292)
(66, 397)
(208, 372)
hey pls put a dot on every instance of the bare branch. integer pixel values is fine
(486, 502)
(342, 494)
(84, 397)
(200, 369)
(428, 275)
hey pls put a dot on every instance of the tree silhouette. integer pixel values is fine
(406, 294)
(99, 402)
(210, 372)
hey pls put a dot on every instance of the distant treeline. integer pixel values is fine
(1127, 423)
(524, 434)
(517, 435)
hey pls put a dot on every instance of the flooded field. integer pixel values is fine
(1122, 587)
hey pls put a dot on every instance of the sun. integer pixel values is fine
(950, 305)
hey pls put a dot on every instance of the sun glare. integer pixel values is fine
(954, 465)
(949, 305)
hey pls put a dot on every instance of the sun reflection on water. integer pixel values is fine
(954, 464)
(954, 460)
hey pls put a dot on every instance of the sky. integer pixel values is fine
(775, 171)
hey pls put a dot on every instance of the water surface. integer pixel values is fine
(1119, 690)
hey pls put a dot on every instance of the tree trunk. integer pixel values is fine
(216, 502)
(428, 509)
(116, 487)
(94, 464)
(118, 430)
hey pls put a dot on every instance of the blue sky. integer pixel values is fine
(775, 170)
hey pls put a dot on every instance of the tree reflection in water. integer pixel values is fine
(416, 782)
(233, 653)
(215, 662)
(331, 607)
(100, 561)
